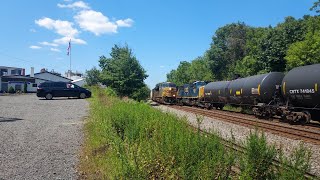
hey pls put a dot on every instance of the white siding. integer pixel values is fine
(80, 82)
(34, 89)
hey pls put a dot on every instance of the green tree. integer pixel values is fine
(304, 52)
(316, 6)
(227, 47)
(181, 75)
(200, 70)
(122, 71)
(172, 76)
(93, 76)
(142, 93)
(275, 44)
(248, 66)
(217, 63)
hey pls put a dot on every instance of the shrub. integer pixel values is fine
(25, 88)
(110, 92)
(11, 90)
(296, 165)
(258, 158)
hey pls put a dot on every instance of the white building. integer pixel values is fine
(45, 76)
(76, 77)
(9, 71)
(15, 78)
(8, 75)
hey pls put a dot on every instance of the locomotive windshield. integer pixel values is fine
(168, 85)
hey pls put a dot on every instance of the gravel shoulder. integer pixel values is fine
(40, 139)
(227, 130)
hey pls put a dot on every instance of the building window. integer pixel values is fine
(13, 72)
(34, 85)
(3, 72)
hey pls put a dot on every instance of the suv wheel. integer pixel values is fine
(82, 95)
(49, 96)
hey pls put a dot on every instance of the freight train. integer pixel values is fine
(294, 96)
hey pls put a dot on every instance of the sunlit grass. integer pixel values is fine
(131, 140)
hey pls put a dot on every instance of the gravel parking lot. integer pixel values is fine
(40, 139)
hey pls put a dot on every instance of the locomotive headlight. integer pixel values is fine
(174, 95)
(170, 89)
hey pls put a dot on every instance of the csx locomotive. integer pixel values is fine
(294, 96)
(165, 93)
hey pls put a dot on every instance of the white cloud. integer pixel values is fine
(65, 40)
(32, 30)
(48, 44)
(95, 22)
(55, 50)
(63, 28)
(161, 66)
(35, 47)
(78, 4)
(125, 23)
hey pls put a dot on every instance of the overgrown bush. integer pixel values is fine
(110, 92)
(257, 160)
(296, 164)
(11, 90)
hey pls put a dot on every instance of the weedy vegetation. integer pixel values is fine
(131, 140)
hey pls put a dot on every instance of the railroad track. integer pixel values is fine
(292, 132)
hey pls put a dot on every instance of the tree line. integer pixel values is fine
(238, 49)
(121, 72)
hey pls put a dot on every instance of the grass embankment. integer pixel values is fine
(130, 140)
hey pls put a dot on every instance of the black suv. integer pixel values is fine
(61, 89)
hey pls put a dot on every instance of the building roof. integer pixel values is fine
(17, 76)
(22, 77)
(10, 67)
(52, 74)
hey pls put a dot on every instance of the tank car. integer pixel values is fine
(215, 94)
(261, 92)
(300, 90)
(165, 93)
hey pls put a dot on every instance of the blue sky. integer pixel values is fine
(161, 33)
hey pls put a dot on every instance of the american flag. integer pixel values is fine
(69, 48)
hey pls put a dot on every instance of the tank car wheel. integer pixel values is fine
(306, 119)
(220, 107)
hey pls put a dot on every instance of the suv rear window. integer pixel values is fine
(59, 84)
(44, 85)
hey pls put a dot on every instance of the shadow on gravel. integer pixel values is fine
(6, 119)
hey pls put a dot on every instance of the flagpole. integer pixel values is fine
(70, 58)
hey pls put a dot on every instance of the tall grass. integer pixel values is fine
(134, 141)
(131, 140)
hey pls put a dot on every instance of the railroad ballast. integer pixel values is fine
(294, 96)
